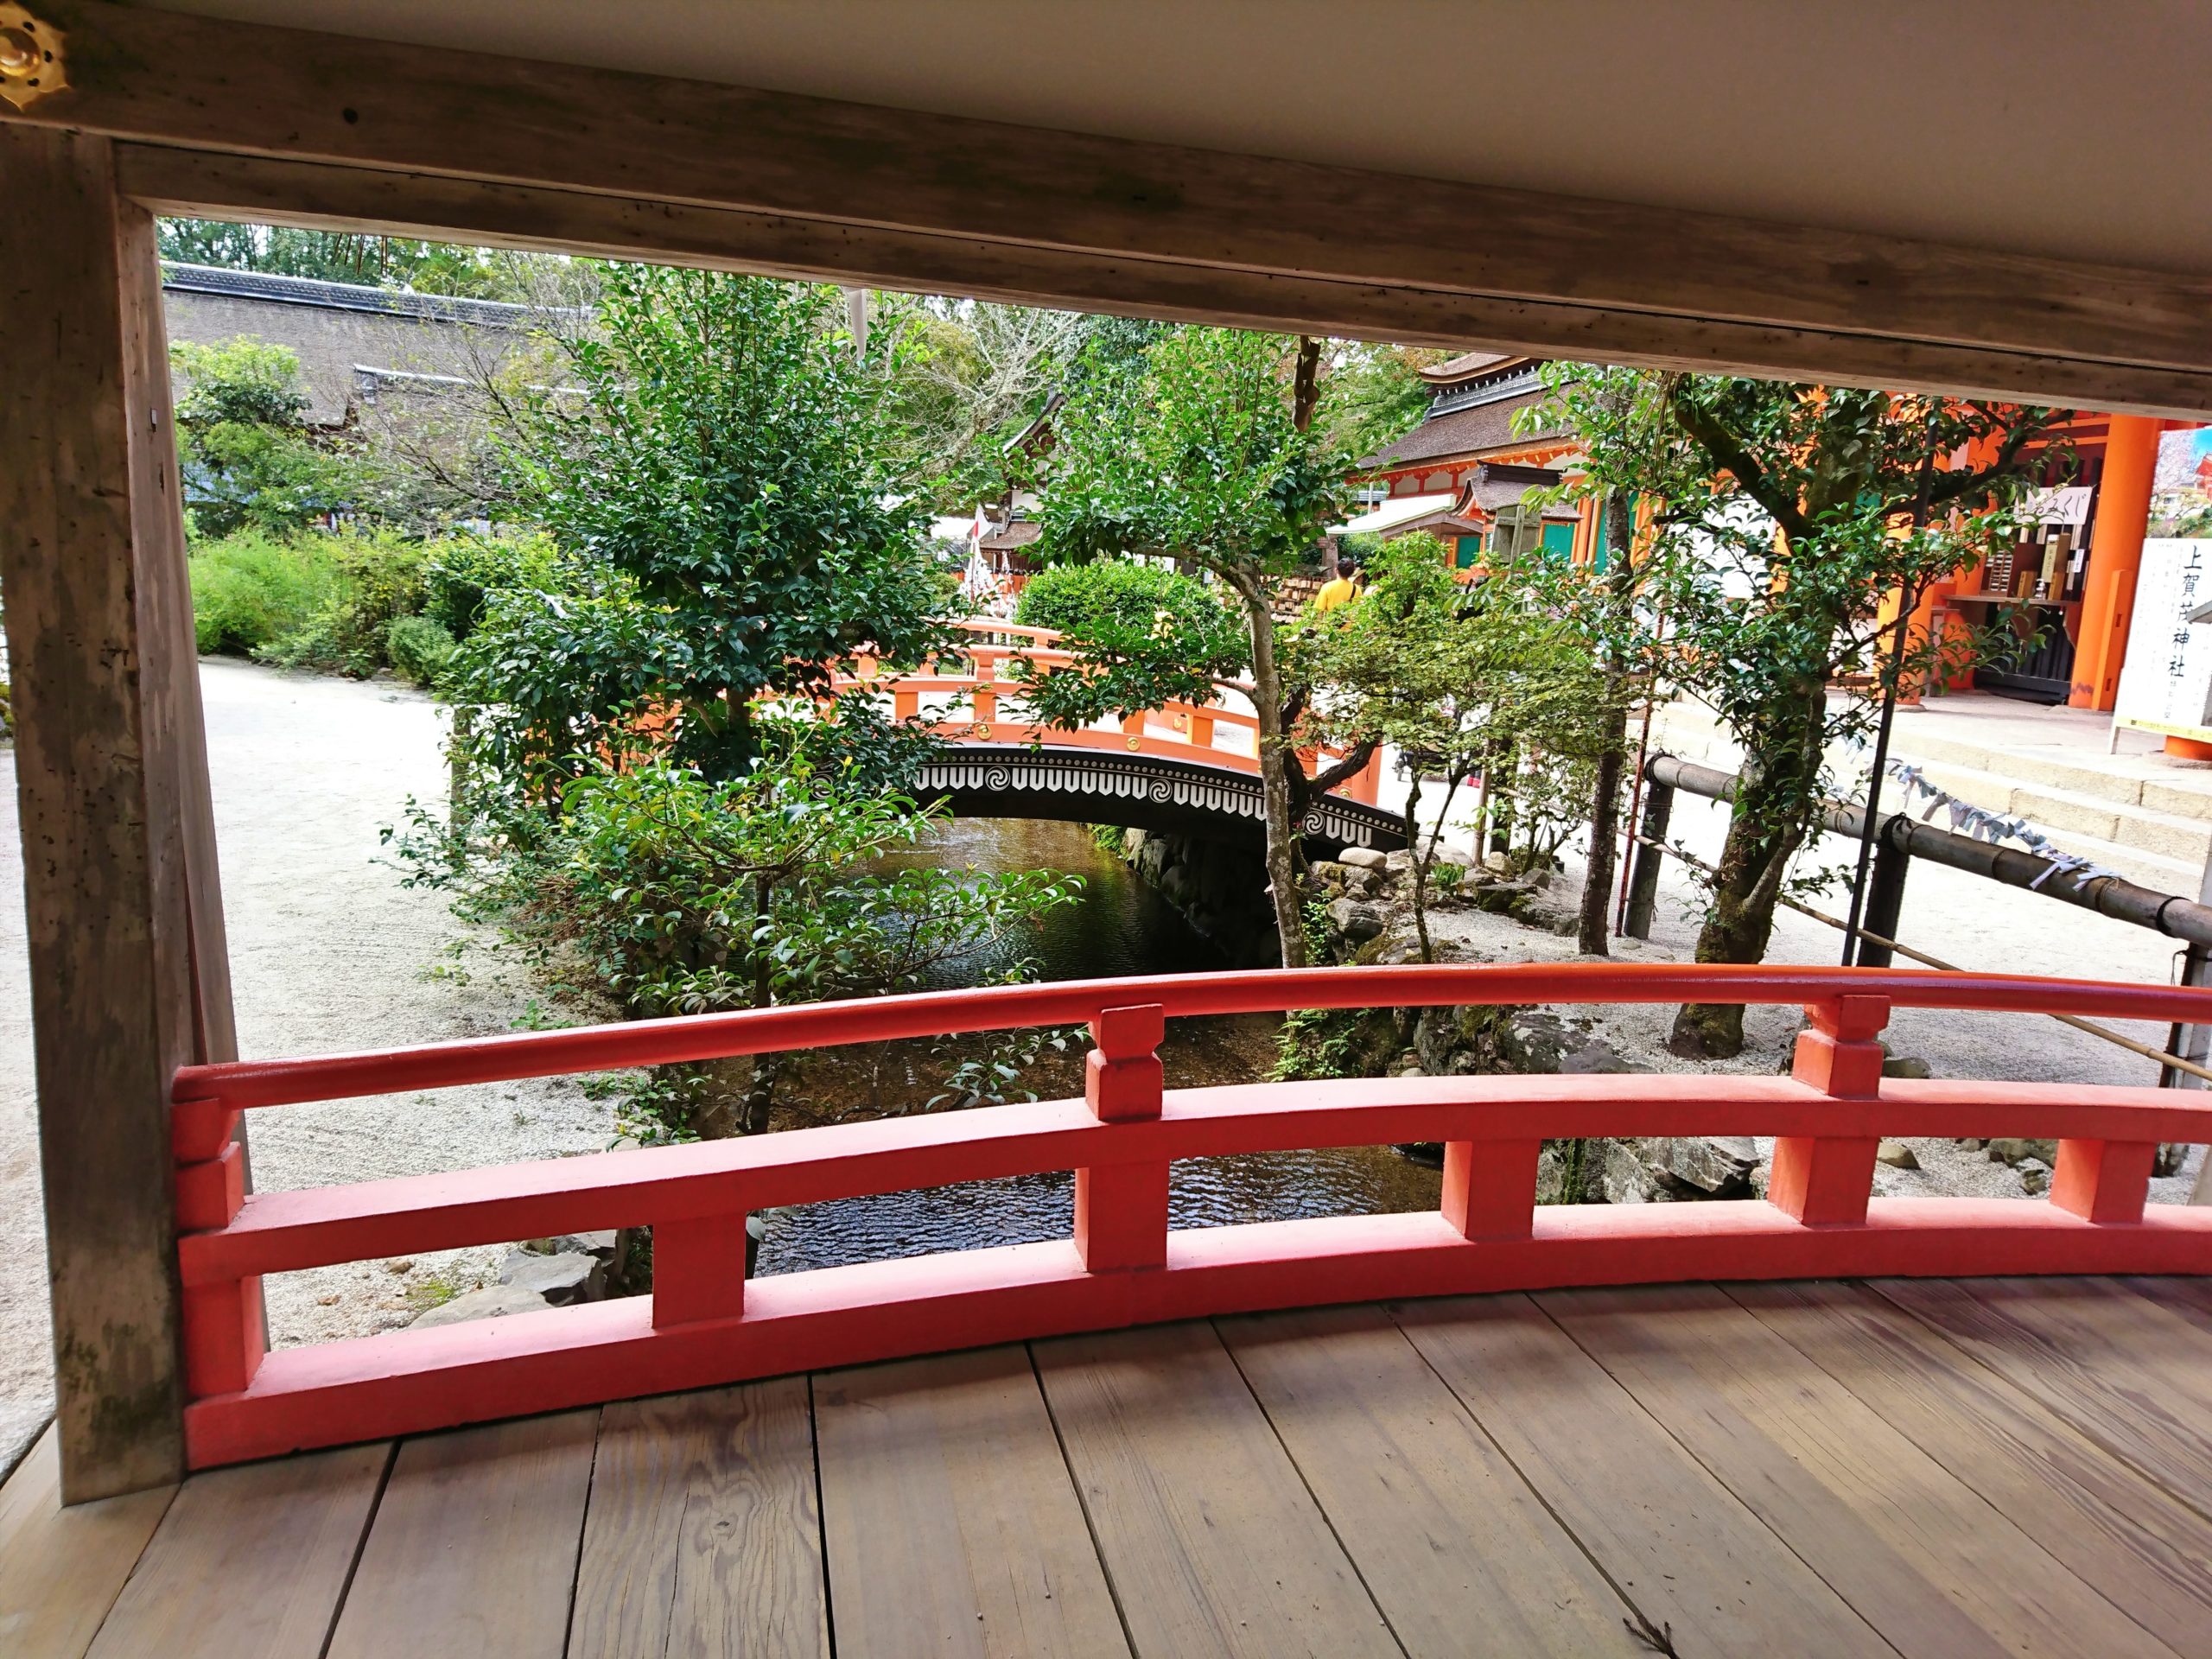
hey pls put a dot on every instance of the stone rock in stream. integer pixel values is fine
(1669, 1169)
(493, 1302)
(562, 1280)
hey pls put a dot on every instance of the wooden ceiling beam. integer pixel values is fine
(319, 196)
(488, 148)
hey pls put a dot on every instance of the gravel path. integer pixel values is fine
(328, 951)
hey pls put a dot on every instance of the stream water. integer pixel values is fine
(1119, 926)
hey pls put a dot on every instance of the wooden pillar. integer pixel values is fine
(129, 978)
(2115, 558)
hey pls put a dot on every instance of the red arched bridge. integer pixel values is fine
(1182, 767)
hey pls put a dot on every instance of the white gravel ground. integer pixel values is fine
(329, 952)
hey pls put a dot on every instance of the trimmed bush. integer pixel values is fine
(1112, 599)
(419, 648)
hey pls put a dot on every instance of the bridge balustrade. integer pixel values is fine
(706, 1323)
(1213, 733)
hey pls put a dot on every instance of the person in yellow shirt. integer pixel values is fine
(1342, 591)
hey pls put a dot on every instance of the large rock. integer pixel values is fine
(562, 1280)
(601, 1245)
(1669, 1169)
(1364, 858)
(1895, 1155)
(2018, 1152)
(493, 1302)
(1358, 921)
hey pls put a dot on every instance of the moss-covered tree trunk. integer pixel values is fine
(1776, 798)
(1283, 864)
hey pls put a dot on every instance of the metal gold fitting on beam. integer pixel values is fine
(31, 62)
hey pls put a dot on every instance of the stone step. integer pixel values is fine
(2113, 824)
(2064, 812)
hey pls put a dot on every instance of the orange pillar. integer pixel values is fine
(2115, 557)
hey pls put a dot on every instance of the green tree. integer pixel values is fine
(243, 450)
(1377, 395)
(1457, 678)
(962, 377)
(1789, 516)
(1143, 635)
(1207, 454)
(1630, 438)
(720, 484)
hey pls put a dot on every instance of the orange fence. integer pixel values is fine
(705, 1323)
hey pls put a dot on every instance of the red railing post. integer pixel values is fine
(1121, 1209)
(1489, 1187)
(1825, 1181)
(222, 1321)
(905, 705)
(1201, 729)
(986, 696)
(2103, 1180)
(698, 1269)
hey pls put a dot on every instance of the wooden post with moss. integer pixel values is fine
(129, 978)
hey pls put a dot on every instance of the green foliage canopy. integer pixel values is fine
(722, 492)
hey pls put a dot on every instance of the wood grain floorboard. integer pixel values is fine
(953, 1526)
(1679, 1544)
(2149, 1553)
(1925, 1558)
(1211, 1541)
(2134, 1376)
(250, 1562)
(1447, 1537)
(60, 1570)
(473, 1552)
(703, 1539)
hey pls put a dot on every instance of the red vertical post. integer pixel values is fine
(2103, 1180)
(1825, 1181)
(905, 705)
(1489, 1187)
(1121, 1209)
(1133, 725)
(698, 1269)
(1201, 729)
(986, 694)
(222, 1322)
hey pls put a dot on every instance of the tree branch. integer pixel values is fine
(1729, 453)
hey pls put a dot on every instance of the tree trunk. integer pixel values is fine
(1612, 754)
(1605, 824)
(1420, 866)
(1766, 826)
(1275, 776)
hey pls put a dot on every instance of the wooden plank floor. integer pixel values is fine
(1922, 1468)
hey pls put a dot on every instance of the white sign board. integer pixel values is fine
(2166, 684)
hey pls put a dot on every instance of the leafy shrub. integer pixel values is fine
(1148, 636)
(252, 589)
(461, 573)
(419, 649)
(1110, 595)
(378, 578)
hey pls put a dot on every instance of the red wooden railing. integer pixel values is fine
(1177, 730)
(704, 1324)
